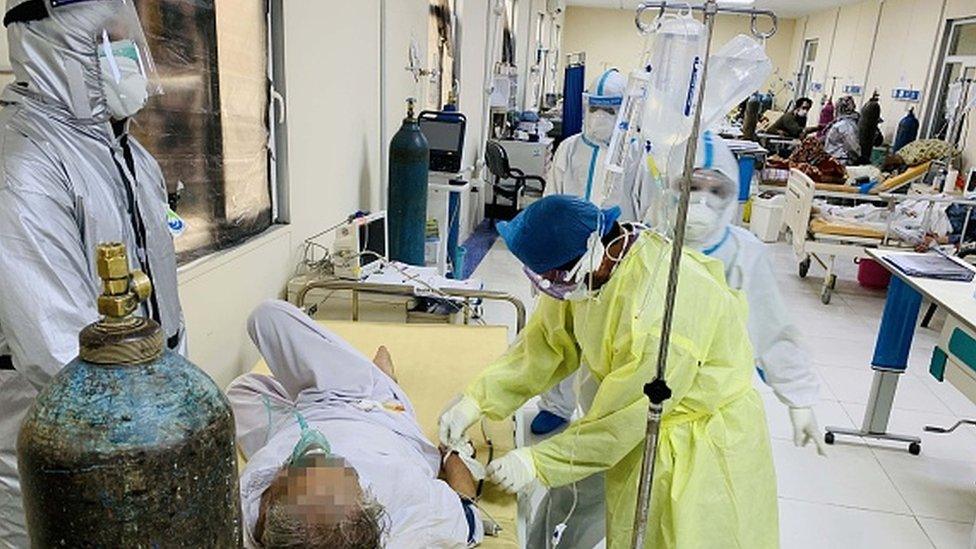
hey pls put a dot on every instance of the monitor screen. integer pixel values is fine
(372, 237)
(442, 136)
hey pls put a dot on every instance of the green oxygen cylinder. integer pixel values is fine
(407, 204)
(130, 445)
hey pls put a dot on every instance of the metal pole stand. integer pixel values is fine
(876, 416)
(890, 360)
(657, 391)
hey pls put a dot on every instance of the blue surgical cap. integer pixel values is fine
(555, 230)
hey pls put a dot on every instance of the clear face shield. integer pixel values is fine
(711, 196)
(129, 76)
(600, 118)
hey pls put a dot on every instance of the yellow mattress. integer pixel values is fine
(434, 362)
(819, 225)
(901, 179)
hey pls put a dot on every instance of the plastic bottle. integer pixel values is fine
(736, 70)
(675, 73)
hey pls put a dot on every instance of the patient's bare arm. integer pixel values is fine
(456, 474)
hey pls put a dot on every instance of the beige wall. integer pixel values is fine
(610, 40)
(474, 36)
(527, 44)
(909, 35)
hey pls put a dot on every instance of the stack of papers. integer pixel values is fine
(935, 266)
(745, 146)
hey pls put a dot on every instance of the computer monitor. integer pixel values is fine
(445, 136)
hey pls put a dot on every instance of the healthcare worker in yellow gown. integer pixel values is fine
(604, 284)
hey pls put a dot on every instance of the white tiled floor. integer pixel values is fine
(864, 494)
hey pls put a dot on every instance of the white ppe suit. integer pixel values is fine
(775, 339)
(366, 417)
(784, 364)
(68, 183)
(579, 165)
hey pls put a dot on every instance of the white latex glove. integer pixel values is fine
(805, 429)
(514, 472)
(465, 452)
(456, 420)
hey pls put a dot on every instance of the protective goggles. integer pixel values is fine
(714, 183)
(569, 284)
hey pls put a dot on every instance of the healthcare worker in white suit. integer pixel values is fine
(72, 178)
(579, 165)
(579, 169)
(780, 358)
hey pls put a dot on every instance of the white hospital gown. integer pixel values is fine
(344, 395)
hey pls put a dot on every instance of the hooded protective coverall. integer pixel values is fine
(775, 338)
(68, 183)
(714, 484)
(579, 165)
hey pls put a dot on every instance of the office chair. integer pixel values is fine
(510, 183)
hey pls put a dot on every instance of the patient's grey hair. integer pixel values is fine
(363, 528)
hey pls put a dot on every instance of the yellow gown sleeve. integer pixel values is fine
(544, 354)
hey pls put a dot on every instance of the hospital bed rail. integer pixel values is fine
(824, 247)
(409, 291)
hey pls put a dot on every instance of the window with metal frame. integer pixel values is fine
(955, 72)
(209, 130)
(805, 74)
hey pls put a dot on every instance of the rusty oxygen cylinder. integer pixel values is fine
(129, 445)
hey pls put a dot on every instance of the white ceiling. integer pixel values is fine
(782, 8)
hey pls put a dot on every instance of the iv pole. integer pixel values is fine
(657, 391)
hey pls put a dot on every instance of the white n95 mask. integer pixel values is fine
(124, 83)
(599, 127)
(702, 221)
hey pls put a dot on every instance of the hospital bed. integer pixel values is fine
(839, 190)
(815, 238)
(434, 362)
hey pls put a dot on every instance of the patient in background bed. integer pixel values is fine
(363, 475)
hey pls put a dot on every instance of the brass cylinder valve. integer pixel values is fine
(120, 337)
(122, 290)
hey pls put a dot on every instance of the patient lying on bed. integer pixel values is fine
(378, 482)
